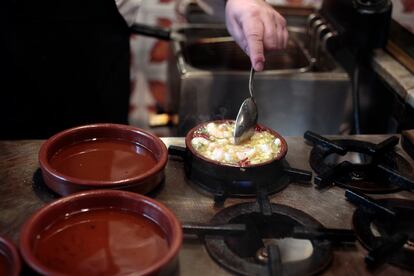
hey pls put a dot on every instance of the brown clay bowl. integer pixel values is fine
(232, 178)
(9, 258)
(42, 220)
(113, 164)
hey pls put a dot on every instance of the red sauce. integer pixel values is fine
(103, 160)
(101, 242)
(4, 264)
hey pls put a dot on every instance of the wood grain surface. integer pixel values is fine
(22, 192)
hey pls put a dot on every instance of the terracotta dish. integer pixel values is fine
(9, 258)
(233, 178)
(102, 232)
(103, 156)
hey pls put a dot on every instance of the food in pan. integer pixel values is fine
(215, 141)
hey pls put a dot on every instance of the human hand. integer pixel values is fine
(256, 27)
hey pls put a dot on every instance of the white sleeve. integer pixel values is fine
(128, 9)
(213, 7)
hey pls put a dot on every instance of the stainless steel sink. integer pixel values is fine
(218, 55)
(295, 93)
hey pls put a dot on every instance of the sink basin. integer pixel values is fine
(209, 80)
(218, 56)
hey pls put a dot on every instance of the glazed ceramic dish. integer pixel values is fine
(102, 232)
(9, 258)
(239, 179)
(103, 156)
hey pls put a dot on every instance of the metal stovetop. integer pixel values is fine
(21, 195)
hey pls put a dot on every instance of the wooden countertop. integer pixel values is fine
(22, 193)
(395, 74)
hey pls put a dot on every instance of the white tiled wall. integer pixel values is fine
(149, 61)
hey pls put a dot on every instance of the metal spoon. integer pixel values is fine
(247, 117)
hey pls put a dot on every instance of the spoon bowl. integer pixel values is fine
(247, 117)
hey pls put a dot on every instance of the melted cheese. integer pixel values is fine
(215, 141)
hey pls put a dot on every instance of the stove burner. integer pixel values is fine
(222, 190)
(359, 165)
(389, 238)
(246, 188)
(228, 181)
(249, 253)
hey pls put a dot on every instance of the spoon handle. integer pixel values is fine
(251, 81)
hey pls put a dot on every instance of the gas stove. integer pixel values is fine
(301, 229)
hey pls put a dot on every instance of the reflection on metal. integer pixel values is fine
(374, 230)
(292, 250)
(409, 245)
(262, 256)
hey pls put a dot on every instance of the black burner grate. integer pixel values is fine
(221, 190)
(359, 165)
(237, 253)
(246, 239)
(386, 228)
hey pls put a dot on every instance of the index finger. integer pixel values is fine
(253, 31)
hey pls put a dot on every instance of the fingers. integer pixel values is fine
(271, 39)
(264, 32)
(256, 27)
(281, 32)
(275, 35)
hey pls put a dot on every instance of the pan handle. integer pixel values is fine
(177, 151)
(298, 175)
(151, 31)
